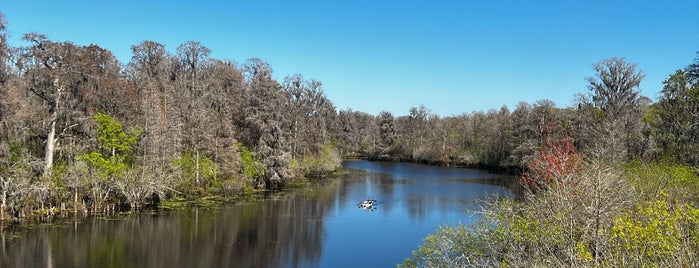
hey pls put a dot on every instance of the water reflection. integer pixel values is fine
(320, 226)
(273, 233)
(421, 189)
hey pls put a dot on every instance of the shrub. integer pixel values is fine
(676, 180)
(197, 172)
(322, 164)
(658, 233)
(251, 169)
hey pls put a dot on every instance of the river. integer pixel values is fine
(319, 226)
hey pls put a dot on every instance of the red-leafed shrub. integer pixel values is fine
(557, 156)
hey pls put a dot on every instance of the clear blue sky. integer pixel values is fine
(372, 55)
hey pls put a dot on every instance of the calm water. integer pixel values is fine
(321, 226)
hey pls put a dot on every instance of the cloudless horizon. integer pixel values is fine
(453, 57)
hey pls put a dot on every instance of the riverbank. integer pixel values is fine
(68, 210)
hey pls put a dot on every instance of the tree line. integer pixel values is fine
(611, 115)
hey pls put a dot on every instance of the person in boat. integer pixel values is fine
(367, 203)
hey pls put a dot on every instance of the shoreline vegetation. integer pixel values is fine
(611, 181)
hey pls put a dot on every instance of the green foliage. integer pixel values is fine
(322, 164)
(60, 171)
(112, 137)
(251, 168)
(509, 234)
(116, 154)
(16, 152)
(658, 233)
(450, 246)
(114, 165)
(194, 165)
(107, 167)
(674, 117)
(650, 179)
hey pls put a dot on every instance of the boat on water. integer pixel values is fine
(367, 204)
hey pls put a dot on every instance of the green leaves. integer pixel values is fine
(653, 180)
(251, 168)
(112, 136)
(656, 231)
(323, 163)
(116, 147)
(107, 166)
(675, 116)
(194, 166)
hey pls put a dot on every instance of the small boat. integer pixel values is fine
(367, 204)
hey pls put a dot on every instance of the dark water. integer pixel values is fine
(321, 226)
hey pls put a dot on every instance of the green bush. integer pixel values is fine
(658, 233)
(323, 164)
(676, 180)
(252, 169)
(198, 172)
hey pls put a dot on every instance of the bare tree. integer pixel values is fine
(224, 86)
(53, 76)
(265, 119)
(4, 51)
(149, 57)
(192, 54)
(357, 132)
(614, 90)
(150, 70)
(311, 114)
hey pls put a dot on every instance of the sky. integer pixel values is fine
(453, 57)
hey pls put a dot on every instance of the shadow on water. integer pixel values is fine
(318, 226)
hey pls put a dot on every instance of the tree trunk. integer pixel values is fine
(51, 138)
(75, 201)
(296, 131)
(50, 146)
(4, 204)
(197, 168)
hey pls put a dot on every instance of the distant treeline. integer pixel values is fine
(80, 129)
(611, 116)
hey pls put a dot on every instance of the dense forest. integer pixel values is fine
(81, 131)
